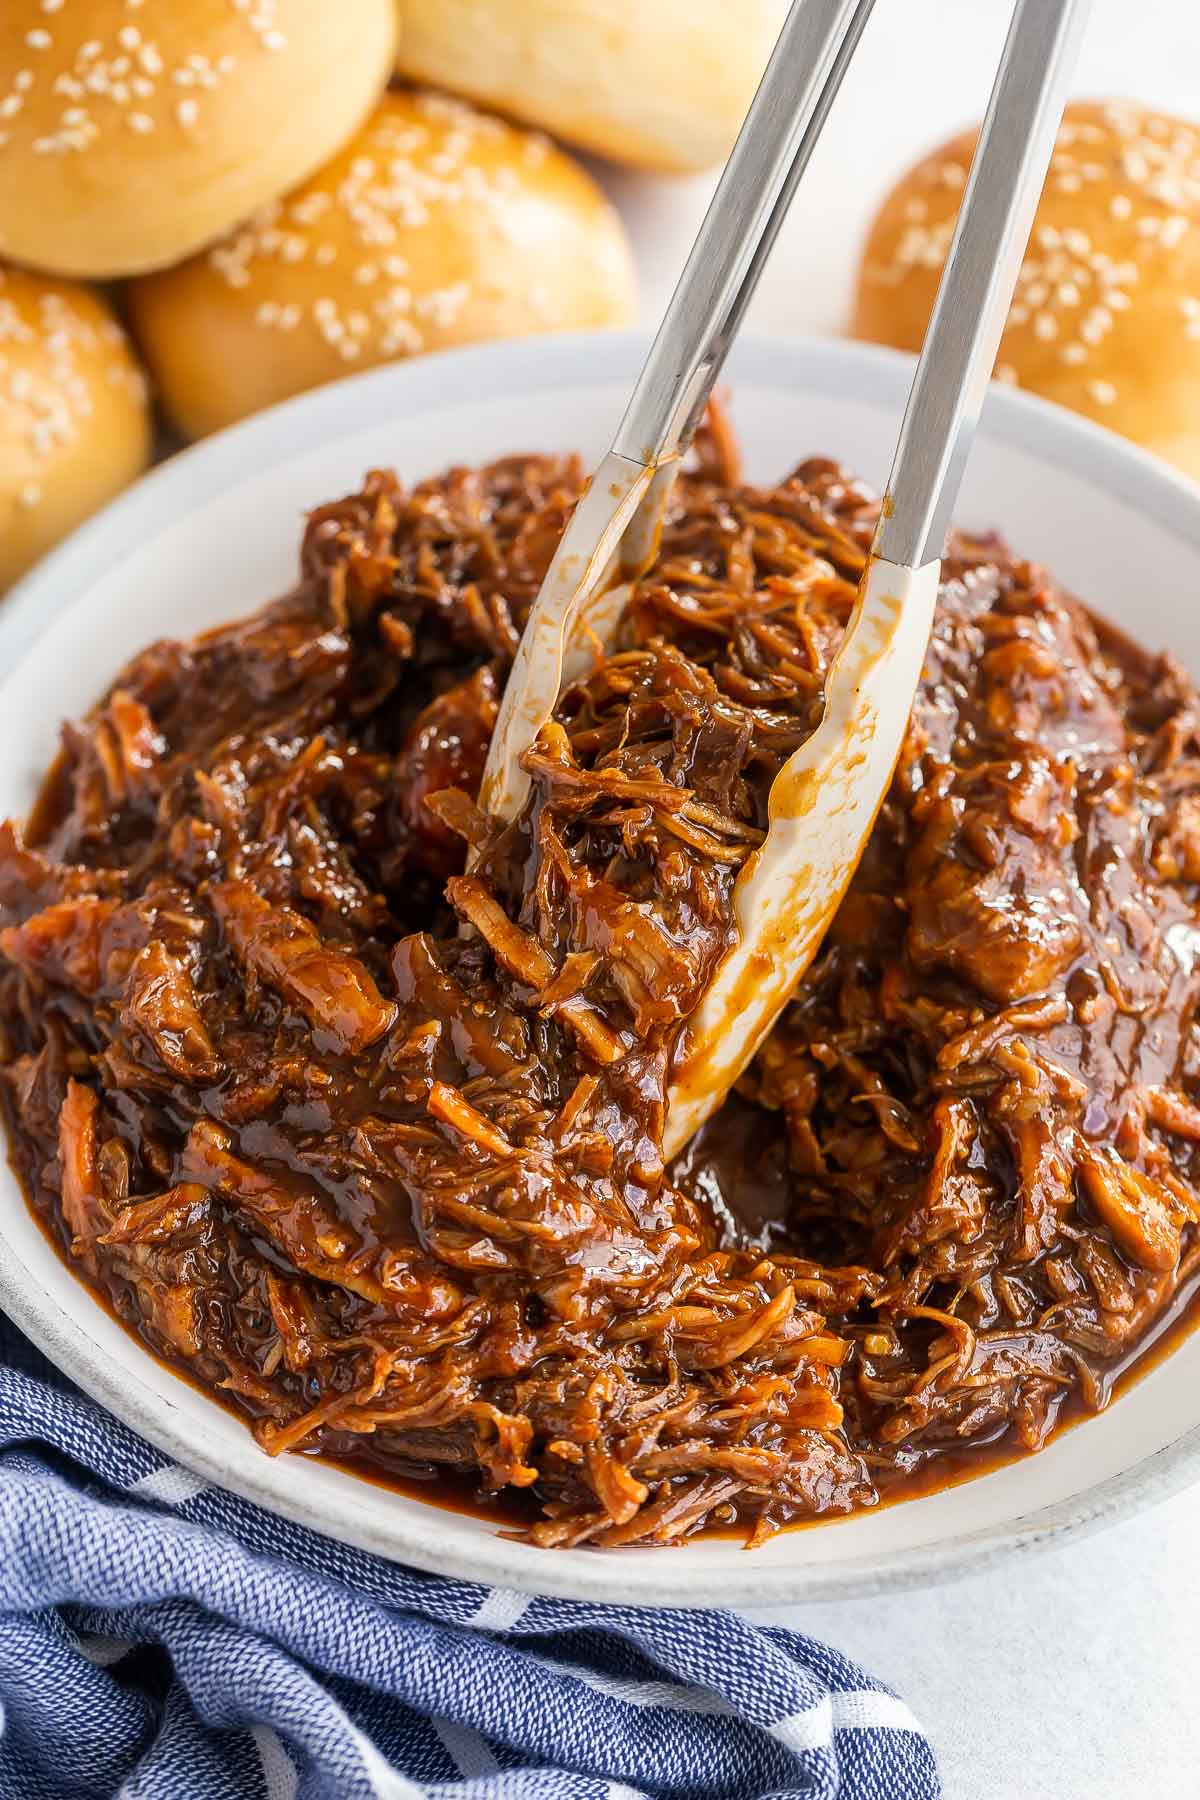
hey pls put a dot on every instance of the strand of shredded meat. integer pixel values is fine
(373, 1145)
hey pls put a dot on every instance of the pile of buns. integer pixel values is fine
(207, 206)
(269, 202)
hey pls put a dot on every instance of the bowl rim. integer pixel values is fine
(205, 471)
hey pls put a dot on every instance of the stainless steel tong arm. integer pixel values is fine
(815, 46)
(999, 201)
(613, 532)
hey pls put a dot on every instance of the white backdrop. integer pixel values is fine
(1074, 1675)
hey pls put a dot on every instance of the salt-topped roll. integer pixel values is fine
(74, 413)
(437, 225)
(133, 131)
(1106, 314)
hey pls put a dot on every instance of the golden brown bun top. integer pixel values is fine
(662, 84)
(437, 225)
(132, 133)
(74, 412)
(1106, 314)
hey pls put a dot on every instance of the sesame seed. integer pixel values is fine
(1073, 353)
(1102, 392)
(1045, 327)
(38, 39)
(52, 6)
(29, 495)
(140, 122)
(1173, 231)
(1120, 206)
(187, 112)
(309, 208)
(10, 106)
(1006, 373)
(129, 37)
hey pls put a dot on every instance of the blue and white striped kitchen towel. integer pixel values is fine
(162, 1640)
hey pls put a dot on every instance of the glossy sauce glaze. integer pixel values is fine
(371, 1147)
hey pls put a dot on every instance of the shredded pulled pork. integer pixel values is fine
(372, 1144)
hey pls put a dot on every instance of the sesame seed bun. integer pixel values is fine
(134, 131)
(1106, 314)
(661, 84)
(74, 416)
(437, 225)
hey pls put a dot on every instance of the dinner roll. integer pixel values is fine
(437, 225)
(133, 131)
(663, 84)
(74, 415)
(1106, 314)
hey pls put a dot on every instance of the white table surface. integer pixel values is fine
(1074, 1675)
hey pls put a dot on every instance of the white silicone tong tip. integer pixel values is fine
(822, 807)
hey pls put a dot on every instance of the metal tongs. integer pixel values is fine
(823, 803)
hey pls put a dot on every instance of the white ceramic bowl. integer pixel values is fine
(214, 533)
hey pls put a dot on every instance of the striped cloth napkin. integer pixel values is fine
(163, 1640)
